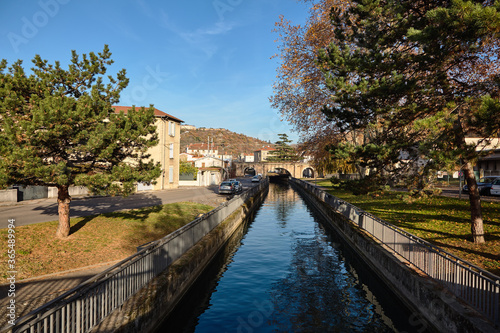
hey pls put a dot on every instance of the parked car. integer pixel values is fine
(495, 187)
(255, 179)
(238, 187)
(227, 187)
(484, 185)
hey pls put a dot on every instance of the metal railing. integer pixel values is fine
(85, 306)
(478, 287)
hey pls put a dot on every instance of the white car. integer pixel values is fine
(255, 179)
(495, 187)
(483, 185)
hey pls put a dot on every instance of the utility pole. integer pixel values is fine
(208, 147)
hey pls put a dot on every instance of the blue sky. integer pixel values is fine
(205, 62)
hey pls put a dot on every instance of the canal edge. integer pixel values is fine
(147, 309)
(429, 300)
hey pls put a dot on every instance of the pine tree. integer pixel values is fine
(58, 128)
(417, 77)
(283, 151)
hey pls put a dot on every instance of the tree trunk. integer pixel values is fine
(476, 216)
(63, 200)
(475, 205)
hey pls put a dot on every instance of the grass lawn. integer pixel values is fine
(93, 239)
(440, 220)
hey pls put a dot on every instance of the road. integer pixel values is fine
(452, 191)
(44, 210)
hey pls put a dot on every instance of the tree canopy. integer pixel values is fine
(300, 90)
(419, 77)
(188, 168)
(283, 151)
(58, 128)
(393, 86)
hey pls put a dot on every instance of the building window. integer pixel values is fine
(171, 128)
(171, 150)
(171, 174)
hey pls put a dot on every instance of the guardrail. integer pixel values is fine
(85, 306)
(477, 287)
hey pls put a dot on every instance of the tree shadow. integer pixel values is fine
(80, 224)
(157, 222)
(482, 254)
(88, 206)
(213, 188)
(137, 214)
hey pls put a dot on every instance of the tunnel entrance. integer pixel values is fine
(308, 173)
(249, 172)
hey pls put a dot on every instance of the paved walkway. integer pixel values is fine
(32, 293)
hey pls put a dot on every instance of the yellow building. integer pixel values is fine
(166, 151)
(261, 155)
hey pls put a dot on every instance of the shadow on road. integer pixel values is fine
(81, 207)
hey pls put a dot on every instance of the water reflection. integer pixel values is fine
(285, 200)
(319, 294)
(287, 274)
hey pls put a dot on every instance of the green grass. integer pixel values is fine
(94, 239)
(440, 220)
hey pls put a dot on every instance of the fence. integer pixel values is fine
(85, 306)
(477, 287)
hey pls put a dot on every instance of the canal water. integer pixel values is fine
(284, 272)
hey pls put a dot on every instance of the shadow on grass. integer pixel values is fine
(140, 214)
(133, 215)
(481, 254)
(80, 224)
(157, 222)
(445, 222)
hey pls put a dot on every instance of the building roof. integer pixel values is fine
(208, 158)
(266, 149)
(158, 113)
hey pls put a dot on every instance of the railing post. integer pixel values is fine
(78, 315)
(496, 303)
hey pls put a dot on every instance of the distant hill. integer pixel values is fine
(229, 142)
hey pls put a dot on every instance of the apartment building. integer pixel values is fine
(166, 151)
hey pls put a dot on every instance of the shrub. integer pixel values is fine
(370, 184)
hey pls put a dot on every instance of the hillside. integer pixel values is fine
(228, 142)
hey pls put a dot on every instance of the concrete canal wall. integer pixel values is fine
(434, 307)
(153, 303)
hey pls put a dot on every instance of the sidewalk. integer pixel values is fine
(33, 293)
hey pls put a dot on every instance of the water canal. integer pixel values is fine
(284, 272)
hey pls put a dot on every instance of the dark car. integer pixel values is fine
(483, 185)
(238, 185)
